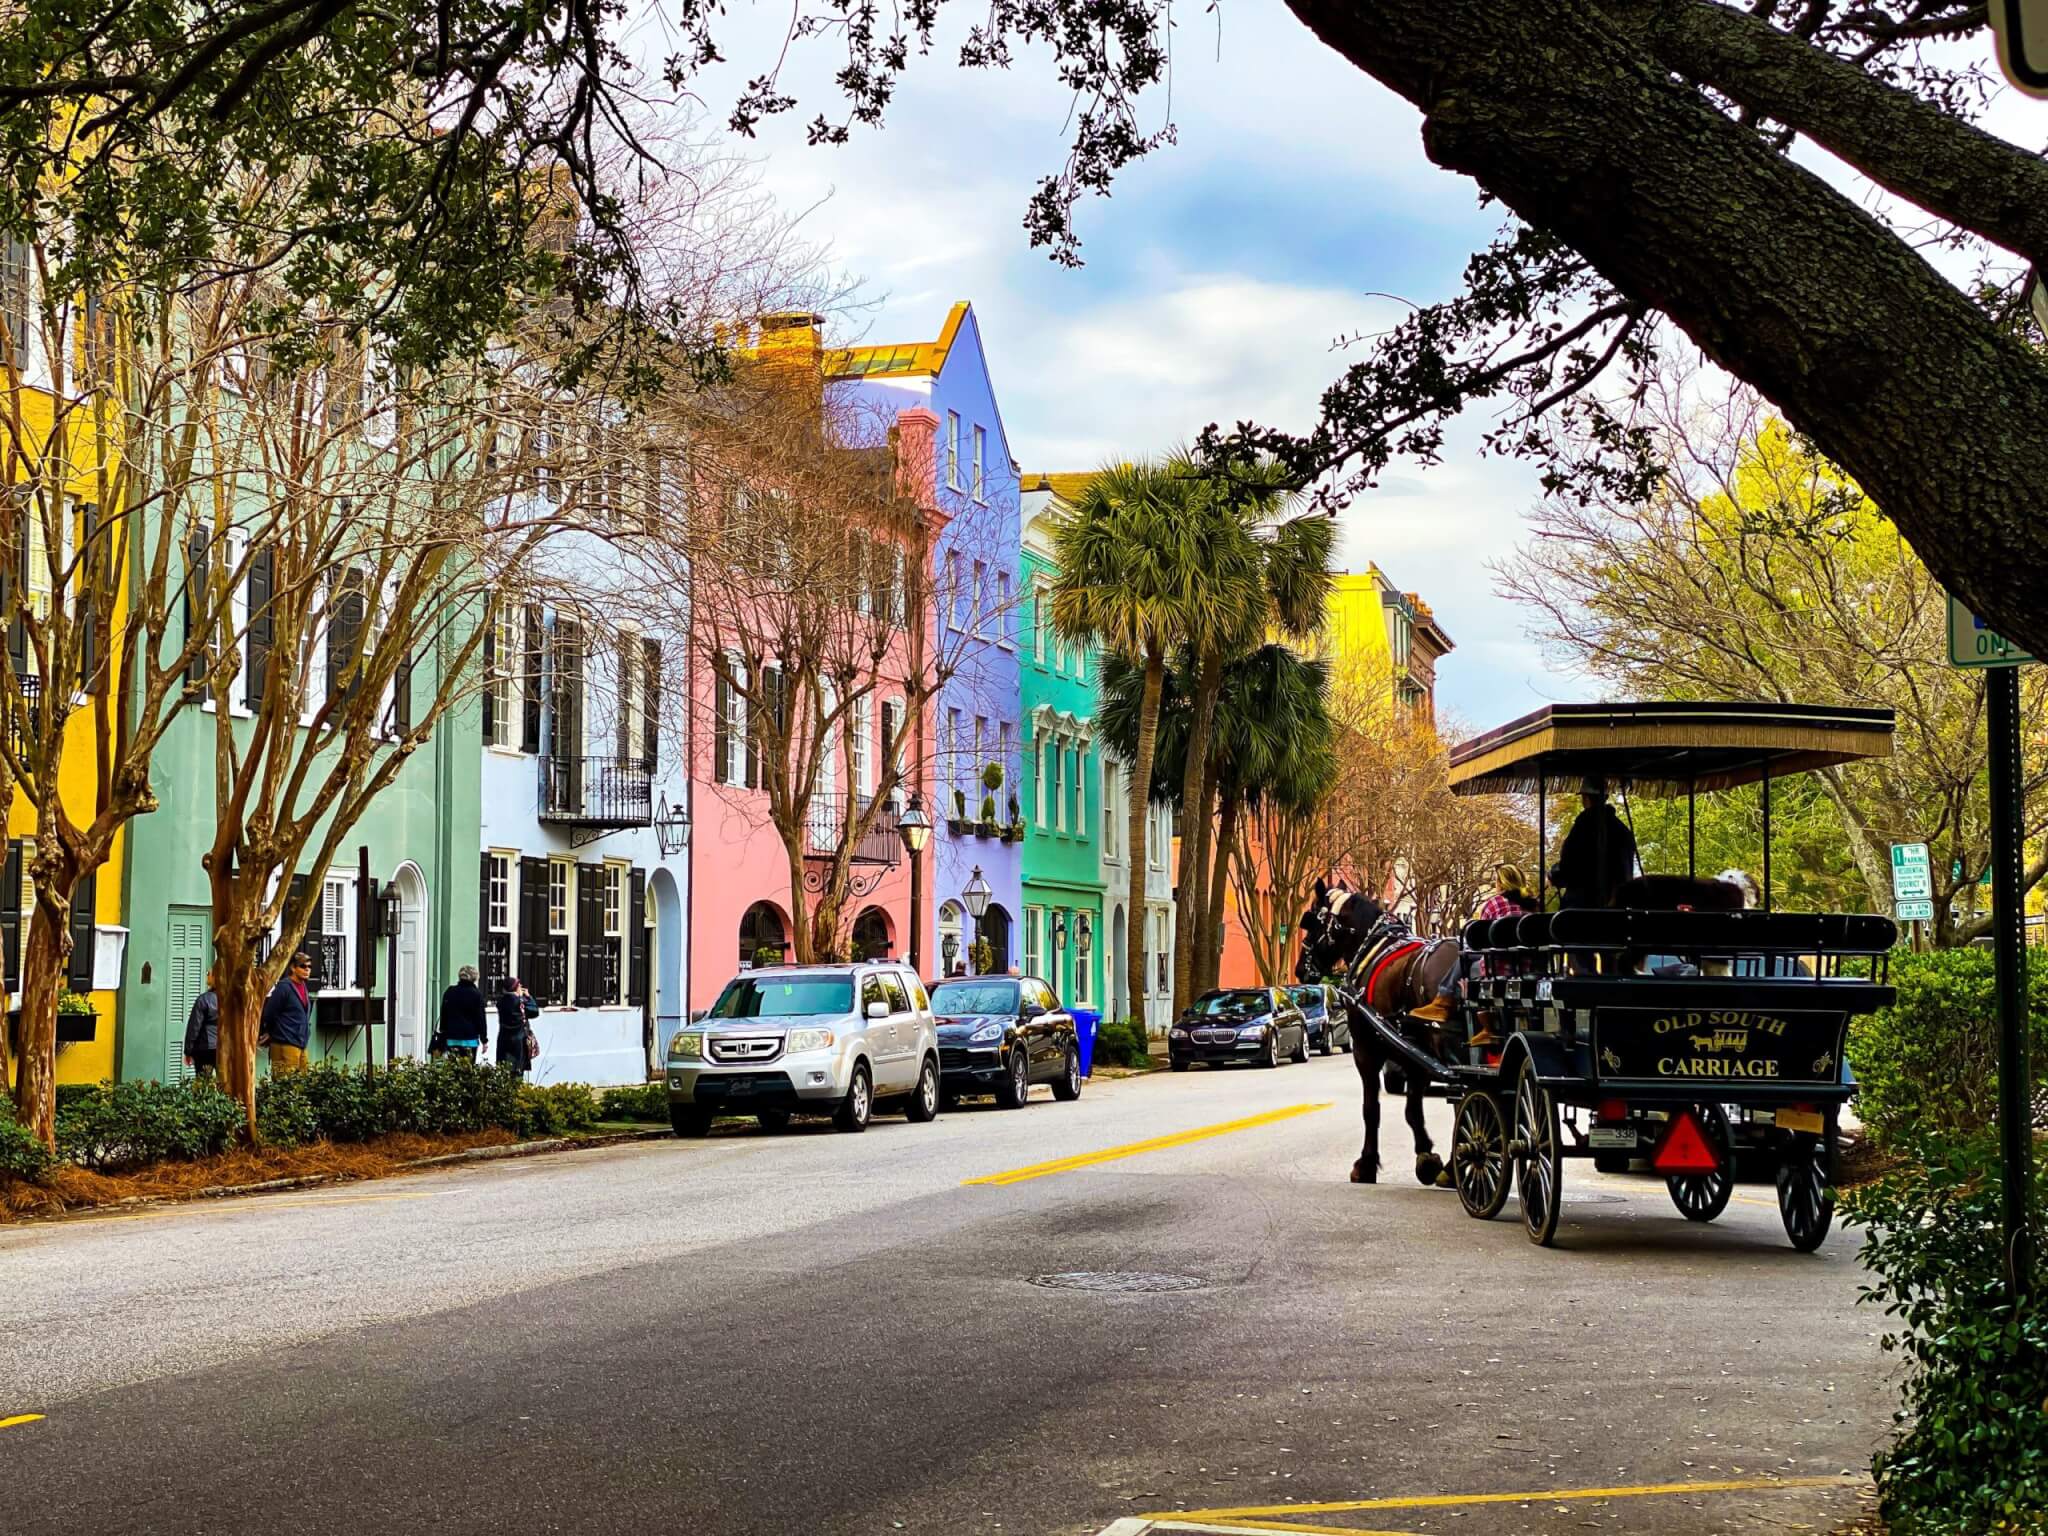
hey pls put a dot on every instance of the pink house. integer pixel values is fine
(744, 910)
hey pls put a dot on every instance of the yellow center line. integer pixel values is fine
(1551, 1495)
(1133, 1149)
(21, 1418)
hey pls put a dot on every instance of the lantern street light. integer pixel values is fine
(915, 828)
(977, 896)
(1059, 930)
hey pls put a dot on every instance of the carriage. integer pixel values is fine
(1655, 1028)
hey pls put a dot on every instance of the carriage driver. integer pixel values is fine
(1599, 853)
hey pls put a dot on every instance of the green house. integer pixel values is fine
(1065, 940)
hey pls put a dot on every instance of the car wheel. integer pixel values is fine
(924, 1099)
(1177, 1063)
(1271, 1058)
(773, 1119)
(1014, 1092)
(1300, 1051)
(691, 1120)
(858, 1106)
(1067, 1086)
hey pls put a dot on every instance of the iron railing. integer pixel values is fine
(32, 701)
(597, 791)
(882, 843)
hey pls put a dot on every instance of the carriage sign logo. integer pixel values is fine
(1732, 1043)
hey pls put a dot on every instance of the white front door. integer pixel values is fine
(409, 989)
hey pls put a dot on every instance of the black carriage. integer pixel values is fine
(1656, 1029)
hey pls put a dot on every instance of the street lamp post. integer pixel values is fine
(915, 828)
(977, 895)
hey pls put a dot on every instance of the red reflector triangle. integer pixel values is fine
(1685, 1148)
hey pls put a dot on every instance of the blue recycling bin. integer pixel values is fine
(1086, 1021)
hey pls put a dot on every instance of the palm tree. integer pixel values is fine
(1121, 587)
(1251, 569)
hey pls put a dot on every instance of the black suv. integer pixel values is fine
(1001, 1034)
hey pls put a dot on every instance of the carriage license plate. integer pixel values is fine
(1612, 1136)
(1799, 1120)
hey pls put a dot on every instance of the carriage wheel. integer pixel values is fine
(1703, 1196)
(1806, 1200)
(1539, 1160)
(1479, 1155)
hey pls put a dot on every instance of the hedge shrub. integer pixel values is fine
(1122, 1043)
(555, 1110)
(1928, 1065)
(445, 1096)
(1972, 1452)
(124, 1125)
(22, 1156)
(642, 1101)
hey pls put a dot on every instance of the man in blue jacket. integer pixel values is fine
(288, 1018)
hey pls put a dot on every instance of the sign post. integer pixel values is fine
(1970, 644)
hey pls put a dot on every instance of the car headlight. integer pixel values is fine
(687, 1045)
(1178, 1032)
(985, 1033)
(807, 1040)
(1252, 1031)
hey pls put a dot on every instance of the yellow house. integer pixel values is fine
(1382, 644)
(48, 438)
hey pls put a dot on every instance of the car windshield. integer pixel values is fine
(963, 997)
(783, 997)
(1308, 999)
(1234, 1004)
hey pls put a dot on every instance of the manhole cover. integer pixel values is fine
(1119, 1281)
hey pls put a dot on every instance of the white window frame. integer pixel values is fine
(1083, 992)
(863, 748)
(338, 920)
(1034, 946)
(732, 773)
(956, 591)
(899, 595)
(980, 454)
(1003, 747)
(508, 659)
(1080, 788)
(953, 449)
(1038, 780)
(617, 909)
(629, 705)
(1041, 603)
(977, 612)
(1006, 627)
(1110, 801)
(1059, 783)
(952, 757)
(562, 918)
(498, 905)
(892, 751)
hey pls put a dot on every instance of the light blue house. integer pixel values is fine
(974, 738)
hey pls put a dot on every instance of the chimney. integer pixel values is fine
(791, 336)
(917, 443)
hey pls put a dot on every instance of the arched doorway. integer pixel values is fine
(669, 997)
(874, 936)
(764, 936)
(1120, 963)
(995, 932)
(952, 941)
(409, 984)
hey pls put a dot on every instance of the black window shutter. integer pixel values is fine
(78, 972)
(310, 895)
(483, 906)
(195, 595)
(401, 696)
(534, 968)
(568, 737)
(636, 941)
(721, 731)
(86, 609)
(757, 718)
(345, 637)
(490, 672)
(262, 628)
(17, 637)
(10, 914)
(529, 728)
(590, 939)
(629, 660)
(650, 704)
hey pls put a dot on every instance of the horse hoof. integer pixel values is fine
(1445, 1181)
(1429, 1169)
(1360, 1174)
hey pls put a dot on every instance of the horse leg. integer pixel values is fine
(1429, 1168)
(1367, 1169)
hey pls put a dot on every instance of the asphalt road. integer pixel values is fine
(822, 1333)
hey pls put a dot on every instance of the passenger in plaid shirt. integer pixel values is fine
(1508, 898)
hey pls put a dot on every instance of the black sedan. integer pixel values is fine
(1250, 1024)
(1001, 1034)
(1329, 1025)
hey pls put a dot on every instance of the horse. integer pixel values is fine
(1390, 971)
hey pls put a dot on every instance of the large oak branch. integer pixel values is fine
(1776, 275)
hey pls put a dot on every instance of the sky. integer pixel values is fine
(1296, 208)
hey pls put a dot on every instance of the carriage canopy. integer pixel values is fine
(1666, 748)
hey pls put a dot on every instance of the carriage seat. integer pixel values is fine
(1682, 933)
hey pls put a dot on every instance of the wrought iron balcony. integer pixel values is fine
(603, 792)
(875, 852)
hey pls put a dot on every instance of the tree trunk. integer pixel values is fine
(1192, 877)
(1141, 782)
(239, 988)
(800, 936)
(1779, 277)
(42, 974)
(1209, 959)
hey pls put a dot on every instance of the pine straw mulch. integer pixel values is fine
(77, 1189)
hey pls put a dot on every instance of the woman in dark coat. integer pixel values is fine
(516, 1012)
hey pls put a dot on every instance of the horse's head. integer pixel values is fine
(1335, 930)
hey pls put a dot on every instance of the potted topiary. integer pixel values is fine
(77, 1019)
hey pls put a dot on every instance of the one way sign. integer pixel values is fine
(2022, 30)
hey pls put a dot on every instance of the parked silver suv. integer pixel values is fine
(808, 1039)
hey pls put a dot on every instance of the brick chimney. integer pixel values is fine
(917, 446)
(792, 336)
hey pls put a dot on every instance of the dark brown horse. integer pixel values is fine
(1373, 959)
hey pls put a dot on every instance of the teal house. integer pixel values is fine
(1065, 940)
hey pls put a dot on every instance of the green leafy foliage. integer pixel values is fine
(445, 1096)
(1121, 1043)
(554, 1110)
(1928, 1065)
(112, 1126)
(642, 1101)
(22, 1156)
(1972, 1453)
